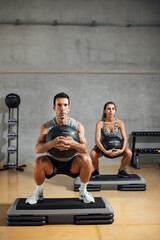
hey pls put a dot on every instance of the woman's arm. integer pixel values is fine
(99, 127)
(123, 133)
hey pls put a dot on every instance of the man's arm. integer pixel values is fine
(42, 146)
(61, 143)
(69, 142)
(81, 146)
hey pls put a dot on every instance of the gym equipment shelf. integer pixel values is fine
(12, 100)
(137, 151)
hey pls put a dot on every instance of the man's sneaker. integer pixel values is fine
(34, 198)
(86, 197)
(95, 174)
(123, 173)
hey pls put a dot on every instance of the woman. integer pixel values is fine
(110, 126)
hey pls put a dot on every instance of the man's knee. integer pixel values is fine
(41, 161)
(86, 160)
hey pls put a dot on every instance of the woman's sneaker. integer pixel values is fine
(86, 197)
(34, 198)
(95, 174)
(123, 173)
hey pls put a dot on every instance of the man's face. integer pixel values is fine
(61, 108)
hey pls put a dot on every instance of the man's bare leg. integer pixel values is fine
(42, 166)
(82, 164)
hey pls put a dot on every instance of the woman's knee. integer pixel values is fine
(128, 153)
(93, 154)
(96, 153)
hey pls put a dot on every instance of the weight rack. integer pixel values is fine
(137, 151)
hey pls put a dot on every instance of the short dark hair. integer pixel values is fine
(61, 95)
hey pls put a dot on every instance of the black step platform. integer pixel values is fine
(59, 211)
(107, 182)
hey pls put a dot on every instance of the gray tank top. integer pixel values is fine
(105, 131)
(72, 123)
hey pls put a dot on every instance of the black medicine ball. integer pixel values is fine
(110, 142)
(64, 131)
(12, 100)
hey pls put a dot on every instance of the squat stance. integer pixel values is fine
(47, 166)
(110, 126)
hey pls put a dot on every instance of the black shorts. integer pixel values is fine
(60, 167)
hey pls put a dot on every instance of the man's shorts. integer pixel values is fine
(60, 167)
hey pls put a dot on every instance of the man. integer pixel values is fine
(47, 166)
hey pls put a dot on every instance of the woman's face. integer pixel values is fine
(110, 110)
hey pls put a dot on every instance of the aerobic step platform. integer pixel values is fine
(114, 182)
(59, 211)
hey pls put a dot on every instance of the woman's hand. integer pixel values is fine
(114, 152)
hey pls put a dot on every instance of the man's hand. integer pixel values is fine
(63, 143)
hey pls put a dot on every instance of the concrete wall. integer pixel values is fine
(79, 49)
(116, 12)
(92, 64)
